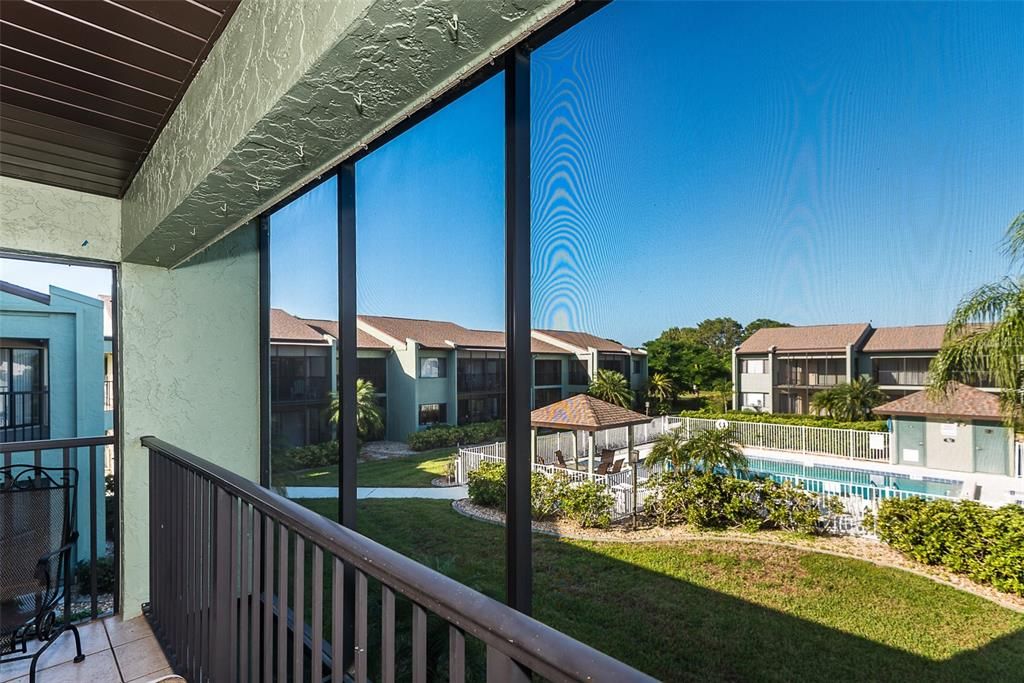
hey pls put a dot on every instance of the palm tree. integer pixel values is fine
(611, 386)
(713, 448)
(368, 420)
(659, 387)
(985, 337)
(850, 402)
(671, 448)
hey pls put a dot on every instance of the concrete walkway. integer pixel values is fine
(436, 493)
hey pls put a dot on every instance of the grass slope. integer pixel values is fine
(720, 611)
(415, 470)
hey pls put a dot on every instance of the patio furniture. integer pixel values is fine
(560, 459)
(608, 455)
(37, 534)
(602, 469)
(616, 467)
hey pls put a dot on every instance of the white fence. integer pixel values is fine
(614, 439)
(854, 444)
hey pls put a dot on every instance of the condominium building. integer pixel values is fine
(780, 369)
(425, 372)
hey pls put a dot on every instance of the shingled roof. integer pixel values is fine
(363, 339)
(585, 412)
(908, 338)
(961, 401)
(582, 341)
(286, 327)
(807, 338)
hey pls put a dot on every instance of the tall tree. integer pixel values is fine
(611, 386)
(685, 362)
(660, 390)
(720, 335)
(985, 336)
(759, 324)
(368, 420)
(850, 402)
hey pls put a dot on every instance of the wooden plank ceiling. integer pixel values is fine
(87, 85)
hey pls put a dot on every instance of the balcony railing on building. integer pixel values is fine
(24, 415)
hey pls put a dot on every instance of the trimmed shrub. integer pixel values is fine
(713, 501)
(106, 579)
(786, 419)
(487, 485)
(588, 504)
(441, 436)
(315, 454)
(547, 494)
(984, 543)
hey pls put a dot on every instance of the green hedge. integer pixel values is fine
(986, 544)
(719, 502)
(587, 504)
(451, 435)
(786, 419)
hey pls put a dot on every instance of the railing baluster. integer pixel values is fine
(255, 637)
(360, 630)
(233, 590)
(387, 635)
(191, 504)
(244, 591)
(299, 609)
(456, 655)
(419, 644)
(267, 635)
(282, 603)
(337, 624)
(316, 662)
(204, 577)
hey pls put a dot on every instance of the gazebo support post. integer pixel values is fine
(590, 454)
(533, 446)
(575, 449)
(633, 462)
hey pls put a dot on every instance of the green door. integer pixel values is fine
(991, 449)
(910, 441)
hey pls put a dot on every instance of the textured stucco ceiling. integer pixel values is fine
(291, 89)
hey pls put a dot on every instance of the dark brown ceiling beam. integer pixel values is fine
(57, 142)
(196, 19)
(132, 25)
(41, 19)
(37, 118)
(77, 97)
(59, 180)
(73, 77)
(109, 178)
(72, 56)
(79, 114)
(30, 149)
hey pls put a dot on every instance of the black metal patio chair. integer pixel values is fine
(37, 535)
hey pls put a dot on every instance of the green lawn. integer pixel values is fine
(723, 611)
(415, 470)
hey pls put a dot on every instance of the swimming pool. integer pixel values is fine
(850, 481)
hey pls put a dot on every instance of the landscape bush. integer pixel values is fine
(106, 579)
(315, 454)
(452, 435)
(986, 544)
(786, 419)
(588, 504)
(713, 501)
(487, 485)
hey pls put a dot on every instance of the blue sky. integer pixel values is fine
(812, 163)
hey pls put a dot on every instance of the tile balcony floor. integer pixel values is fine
(115, 651)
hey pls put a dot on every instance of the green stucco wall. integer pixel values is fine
(190, 359)
(51, 220)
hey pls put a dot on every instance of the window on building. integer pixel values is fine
(481, 371)
(433, 413)
(902, 371)
(612, 361)
(374, 371)
(299, 373)
(547, 372)
(638, 366)
(753, 366)
(481, 409)
(24, 400)
(545, 397)
(578, 373)
(433, 367)
(757, 401)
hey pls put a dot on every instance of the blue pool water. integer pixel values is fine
(844, 480)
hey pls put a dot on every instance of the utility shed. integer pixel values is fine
(961, 431)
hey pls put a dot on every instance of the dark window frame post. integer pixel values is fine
(518, 550)
(265, 412)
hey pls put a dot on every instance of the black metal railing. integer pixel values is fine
(108, 394)
(95, 565)
(24, 415)
(248, 585)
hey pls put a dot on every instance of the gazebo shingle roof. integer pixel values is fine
(587, 413)
(961, 401)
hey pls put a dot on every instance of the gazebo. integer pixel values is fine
(584, 413)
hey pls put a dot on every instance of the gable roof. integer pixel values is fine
(583, 411)
(581, 341)
(806, 338)
(24, 292)
(286, 327)
(961, 401)
(907, 338)
(364, 340)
